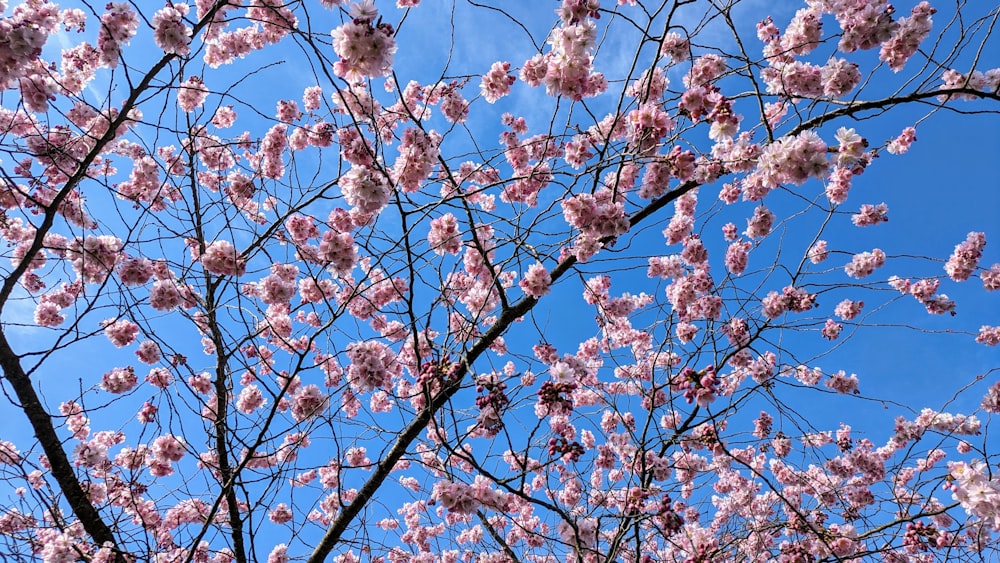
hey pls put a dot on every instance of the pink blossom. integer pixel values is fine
(848, 309)
(301, 228)
(9, 454)
(989, 335)
(760, 224)
(694, 253)
(280, 514)
(536, 281)
(871, 215)
(312, 98)
(365, 189)
(838, 185)
(665, 267)
(455, 497)
(191, 94)
(418, 153)
(679, 228)
(120, 332)
(119, 380)
(988, 81)
(907, 36)
(373, 365)
(309, 402)
(118, 25)
(793, 159)
(584, 532)
(839, 77)
(147, 413)
(964, 260)
(790, 299)
(224, 117)
(902, 143)
(288, 111)
(864, 263)
(337, 250)
(454, 107)
(169, 31)
(222, 259)
(794, 78)
(444, 236)
(159, 377)
(279, 554)
(818, 252)
(976, 489)
(148, 352)
(841, 383)
(48, 314)
(990, 403)
(675, 47)
(202, 383)
(497, 82)
(567, 69)
(357, 457)
(272, 149)
(365, 49)
(991, 278)
(706, 69)
(831, 330)
(686, 332)
(95, 257)
(164, 295)
(250, 399)
(169, 448)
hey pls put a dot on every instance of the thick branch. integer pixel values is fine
(62, 469)
(858, 107)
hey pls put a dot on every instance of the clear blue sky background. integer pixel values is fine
(946, 186)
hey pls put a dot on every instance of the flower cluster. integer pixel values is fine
(977, 491)
(418, 153)
(792, 160)
(456, 497)
(864, 263)
(925, 291)
(871, 215)
(365, 189)
(597, 216)
(48, 311)
(444, 236)
(95, 257)
(497, 82)
(536, 281)
(989, 335)
(964, 260)
(366, 49)
(119, 380)
(373, 366)
(907, 36)
(309, 401)
(988, 81)
(791, 298)
(222, 259)
(121, 332)
(901, 144)
(118, 25)
(698, 386)
(191, 94)
(567, 69)
(169, 31)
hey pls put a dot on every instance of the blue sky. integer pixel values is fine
(945, 187)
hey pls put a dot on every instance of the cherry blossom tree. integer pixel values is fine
(289, 280)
